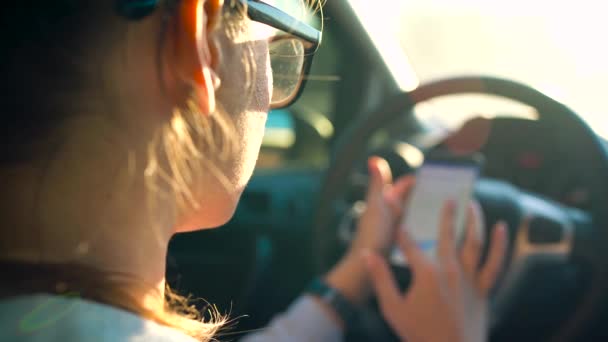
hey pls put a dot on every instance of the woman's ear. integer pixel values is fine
(195, 47)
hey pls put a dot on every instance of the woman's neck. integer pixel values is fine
(86, 205)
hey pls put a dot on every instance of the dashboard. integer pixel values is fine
(531, 157)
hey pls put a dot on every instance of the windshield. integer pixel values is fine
(556, 46)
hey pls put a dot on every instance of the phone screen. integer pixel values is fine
(437, 181)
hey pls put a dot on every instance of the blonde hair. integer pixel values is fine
(191, 145)
(180, 143)
(180, 152)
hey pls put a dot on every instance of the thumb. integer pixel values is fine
(379, 176)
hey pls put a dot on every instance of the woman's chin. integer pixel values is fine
(214, 215)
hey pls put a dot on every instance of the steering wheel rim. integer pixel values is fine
(555, 114)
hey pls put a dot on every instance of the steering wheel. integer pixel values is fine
(539, 228)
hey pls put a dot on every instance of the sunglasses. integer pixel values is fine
(291, 49)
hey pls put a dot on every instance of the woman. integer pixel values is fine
(127, 121)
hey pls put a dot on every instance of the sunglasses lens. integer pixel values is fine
(287, 57)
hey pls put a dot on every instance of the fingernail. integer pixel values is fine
(502, 227)
(372, 166)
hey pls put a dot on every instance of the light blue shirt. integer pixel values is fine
(42, 317)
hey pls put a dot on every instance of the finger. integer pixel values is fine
(383, 281)
(401, 188)
(446, 252)
(380, 176)
(471, 249)
(481, 221)
(414, 255)
(396, 194)
(496, 255)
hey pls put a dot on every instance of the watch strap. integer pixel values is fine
(334, 299)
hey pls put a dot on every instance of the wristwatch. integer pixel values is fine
(334, 299)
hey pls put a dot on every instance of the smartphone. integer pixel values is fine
(441, 178)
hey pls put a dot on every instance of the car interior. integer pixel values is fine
(428, 79)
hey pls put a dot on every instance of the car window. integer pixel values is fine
(556, 46)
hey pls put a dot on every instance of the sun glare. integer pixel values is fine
(556, 46)
(381, 30)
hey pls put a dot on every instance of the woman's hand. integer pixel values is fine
(375, 230)
(448, 297)
(384, 205)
